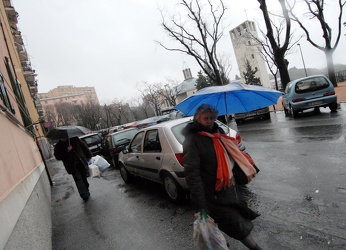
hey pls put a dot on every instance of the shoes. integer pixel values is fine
(86, 198)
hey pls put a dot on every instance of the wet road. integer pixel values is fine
(300, 193)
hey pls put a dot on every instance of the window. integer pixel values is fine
(136, 144)
(4, 95)
(152, 141)
(311, 84)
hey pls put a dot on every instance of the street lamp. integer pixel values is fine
(301, 53)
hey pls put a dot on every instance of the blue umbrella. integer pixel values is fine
(232, 98)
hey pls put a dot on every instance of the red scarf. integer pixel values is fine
(226, 146)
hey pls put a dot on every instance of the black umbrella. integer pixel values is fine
(67, 132)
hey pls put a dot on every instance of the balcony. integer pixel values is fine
(30, 78)
(11, 13)
(18, 39)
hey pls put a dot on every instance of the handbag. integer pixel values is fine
(239, 176)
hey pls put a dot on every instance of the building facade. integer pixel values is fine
(25, 195)
(68, 90)
(244, 45)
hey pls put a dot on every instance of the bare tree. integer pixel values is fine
(278, 49)
(264, 47)
(65, 113)
(150, 93)
(316, 11)
(88, 115)
(51, 115)
(168, 91)
(140, 109)
(200, 40)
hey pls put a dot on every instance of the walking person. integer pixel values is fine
(211, 188)
(75, 154)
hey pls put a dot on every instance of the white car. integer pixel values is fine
(156, 153)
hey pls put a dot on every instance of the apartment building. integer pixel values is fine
(25, 195)
(67, 90)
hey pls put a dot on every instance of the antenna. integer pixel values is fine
(246, 14)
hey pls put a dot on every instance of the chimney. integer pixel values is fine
(187, 73)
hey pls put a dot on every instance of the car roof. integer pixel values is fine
(169, 123)
(123, 130)
(307, 77)
(87, 135)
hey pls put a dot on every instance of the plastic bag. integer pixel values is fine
(100, 162)
(206, 234)
(94, 171)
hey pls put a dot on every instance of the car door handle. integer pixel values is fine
(158, 158)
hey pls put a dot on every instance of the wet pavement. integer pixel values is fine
(300, 193)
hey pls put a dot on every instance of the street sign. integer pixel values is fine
(47, 124)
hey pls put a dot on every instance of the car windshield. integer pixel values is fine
(124, 135)
(92, 140)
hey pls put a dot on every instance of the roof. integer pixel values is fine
(186, 85)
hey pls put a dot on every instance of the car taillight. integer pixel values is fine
(329, 93)
(180, 158)
(238, 138)
(115, 150)
(298, 100)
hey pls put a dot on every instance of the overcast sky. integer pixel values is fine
(111, 46)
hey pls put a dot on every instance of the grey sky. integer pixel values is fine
(111, 44)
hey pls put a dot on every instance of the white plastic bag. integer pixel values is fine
(206, 234)
(94, 171)
(100, 162)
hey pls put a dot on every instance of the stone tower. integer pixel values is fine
(244, 48)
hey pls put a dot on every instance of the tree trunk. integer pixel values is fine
(330, 67)
(280, 62)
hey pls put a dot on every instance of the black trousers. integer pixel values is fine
(80, 178)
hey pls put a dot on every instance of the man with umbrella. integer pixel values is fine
(75, 154)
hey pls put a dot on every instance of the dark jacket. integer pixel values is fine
(200, 163)
(227, 207)
(80, 151)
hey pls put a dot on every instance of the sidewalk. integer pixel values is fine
(340, 91)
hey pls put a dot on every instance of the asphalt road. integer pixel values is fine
(300, 193)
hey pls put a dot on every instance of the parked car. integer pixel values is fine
(156, 153)
(309, 92)
(115, 142)
(94, 142)
(262, 113)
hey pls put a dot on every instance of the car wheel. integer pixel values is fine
(127, 177)
(172, 188)
(267, 116)
(286, 111)
(294, 113)
(333, 106)
(115, 162)
(317, 110)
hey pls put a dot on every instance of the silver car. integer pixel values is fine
(156, 153)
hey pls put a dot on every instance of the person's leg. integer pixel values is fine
(250, 243)
(81, 182)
